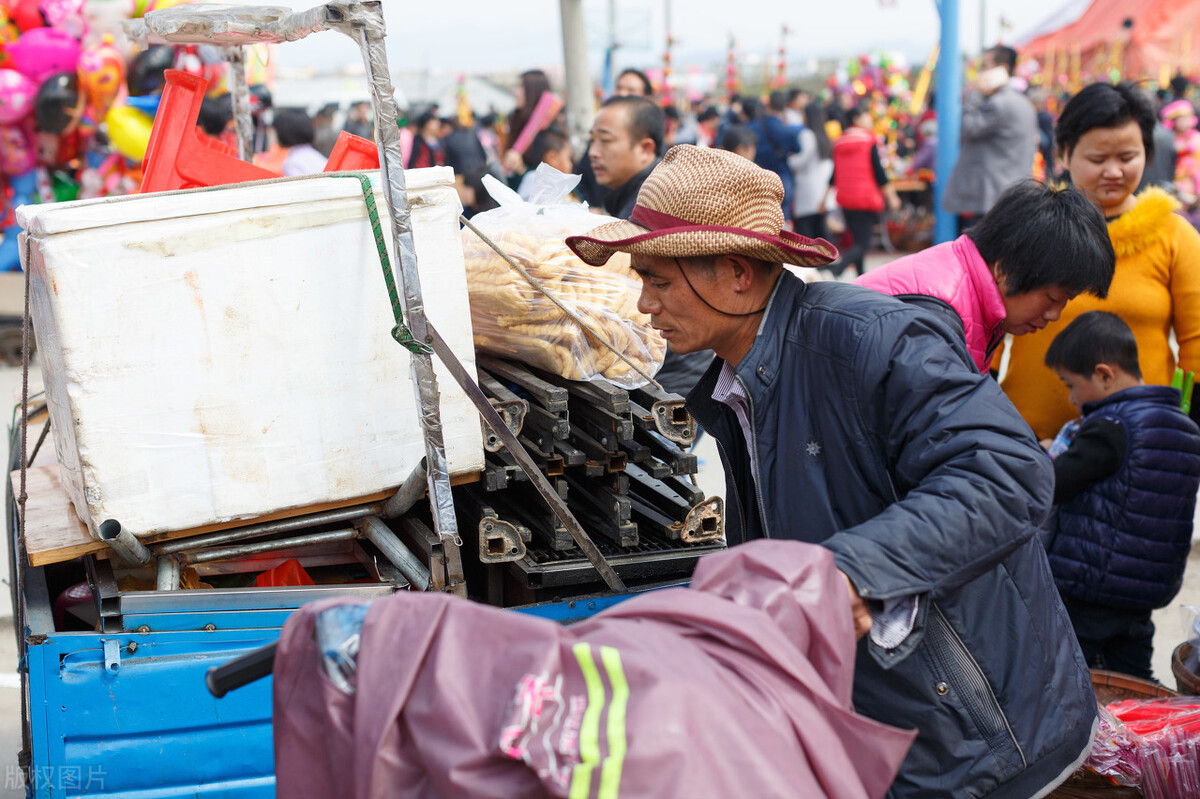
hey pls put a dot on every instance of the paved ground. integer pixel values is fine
(1169, 620)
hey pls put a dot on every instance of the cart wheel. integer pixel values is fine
(10, 346)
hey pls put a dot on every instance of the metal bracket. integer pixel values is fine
(673, 421)
(499, 541)
(668, 412)
(705, 522)
(112, 655)
(513, 413)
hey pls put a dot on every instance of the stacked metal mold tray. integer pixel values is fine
(619, 458)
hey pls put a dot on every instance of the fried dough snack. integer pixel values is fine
(514, 320)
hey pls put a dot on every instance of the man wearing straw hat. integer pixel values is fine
(858, 421)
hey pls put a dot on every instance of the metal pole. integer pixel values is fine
(123, 542)
(575, 63)
(982, 25)
(949, 115)
(267, 528)
(609, 79)
(401, 557)
(225, 553)
(410, 491)
(668, 41)
(387, 137)
(239, 94)
(168, 573)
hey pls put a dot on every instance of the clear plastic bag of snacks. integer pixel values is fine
(516, 320)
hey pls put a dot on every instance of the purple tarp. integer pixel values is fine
(736, 686)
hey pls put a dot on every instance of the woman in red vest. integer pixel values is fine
(861, 185)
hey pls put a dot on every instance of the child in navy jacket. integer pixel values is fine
(1125, 494)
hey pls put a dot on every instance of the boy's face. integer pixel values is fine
(1083, 389)
(563, 160)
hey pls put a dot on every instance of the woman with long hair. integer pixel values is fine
(530, 87)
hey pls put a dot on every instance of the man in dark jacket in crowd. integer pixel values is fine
(626, 142)
(777, 140)
(857, 421)
(627, 137)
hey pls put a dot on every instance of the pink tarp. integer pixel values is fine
(737, 686)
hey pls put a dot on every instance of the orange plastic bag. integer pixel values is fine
(290, 572)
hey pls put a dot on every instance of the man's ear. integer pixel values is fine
(743, 270)
(647, 150)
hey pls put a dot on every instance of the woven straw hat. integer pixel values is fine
(705, 202)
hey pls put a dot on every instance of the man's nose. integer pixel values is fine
(648, 304)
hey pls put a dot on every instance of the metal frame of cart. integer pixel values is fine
(125, 711)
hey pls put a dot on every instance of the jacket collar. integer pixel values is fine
(758, 369)
(991, 301)
(620, 200)
(1159, 395)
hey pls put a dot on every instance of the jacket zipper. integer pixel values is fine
(762, 511)
(969, 668)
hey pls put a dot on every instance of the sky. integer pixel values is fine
(501, 35)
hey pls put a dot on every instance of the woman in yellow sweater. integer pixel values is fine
(1105, 137)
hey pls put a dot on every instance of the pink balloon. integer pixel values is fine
(16, 96)
(17, 153)
(41, 52)
(62, 13)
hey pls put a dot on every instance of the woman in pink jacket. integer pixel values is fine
(1011, 272)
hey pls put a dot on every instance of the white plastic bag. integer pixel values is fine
(513, 319)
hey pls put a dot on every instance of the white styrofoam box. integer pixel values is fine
(226, 354)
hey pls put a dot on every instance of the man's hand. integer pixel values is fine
(858, 608)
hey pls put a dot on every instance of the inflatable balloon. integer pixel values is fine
(145, 74)
(58, 105)
(17, 152)
(104, 18)
(8, 34)
(129, 131)
(147, 103)
(143, 7)
(101, 76)
(41, 52)
(65, 15)
(27, 15)
(19, 191)
(16, 96)
(54, 150)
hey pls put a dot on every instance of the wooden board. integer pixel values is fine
(54, 532)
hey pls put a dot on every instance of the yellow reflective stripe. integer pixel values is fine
(589, 728)
(610, 772)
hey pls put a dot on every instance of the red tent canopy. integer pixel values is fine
(1163, 32)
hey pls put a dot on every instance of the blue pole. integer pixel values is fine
(948, 105)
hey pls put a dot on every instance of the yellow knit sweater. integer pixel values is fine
(1156, 288)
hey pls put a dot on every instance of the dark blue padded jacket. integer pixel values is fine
(875, 435)
(1124, 541)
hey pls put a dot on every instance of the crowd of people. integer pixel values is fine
(896, 421)
(859, 422)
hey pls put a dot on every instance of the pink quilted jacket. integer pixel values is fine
(955, 273)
